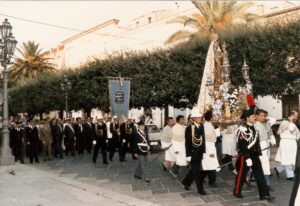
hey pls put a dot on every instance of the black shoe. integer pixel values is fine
(31, 162)
(202, 192)
(231, 167)
(186, 187)
(290, 179)
(137, 177)
(238, 195)
(213, 185)
(147, 180)
(37, 161)
(94, 161)
(105, 163)
(277, 173)
(269, 198)
(164, 168)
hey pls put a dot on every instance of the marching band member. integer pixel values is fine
(210, 162)
(114, 142)
(101, 137)
(127, 131)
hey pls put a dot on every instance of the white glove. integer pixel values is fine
(94, 142)
(188, 159)
(124, 140)
(249, 162)
(107, 141)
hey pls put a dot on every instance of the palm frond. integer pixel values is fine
(179, 36)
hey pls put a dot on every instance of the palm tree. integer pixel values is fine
(213, 16)
(31, 64)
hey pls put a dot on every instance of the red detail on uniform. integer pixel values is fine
(238, 182)
(250, 100)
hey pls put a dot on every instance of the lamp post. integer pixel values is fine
(66, 86)
(7, 48)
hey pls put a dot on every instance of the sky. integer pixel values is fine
(79, 15)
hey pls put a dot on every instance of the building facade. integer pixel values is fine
(149, 32)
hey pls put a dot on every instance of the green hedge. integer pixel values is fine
(162, 77)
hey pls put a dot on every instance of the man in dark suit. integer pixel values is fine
(195, 147)
(127, 131)
(69, 133)
(32, 139)
(18, 142)
(89, 134)
(114, 142)
(58, 138)
(78, 127)
(100, 138)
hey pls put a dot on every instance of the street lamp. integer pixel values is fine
(7, 48)
(66, 86)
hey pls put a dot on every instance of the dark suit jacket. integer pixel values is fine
(69, 133)
(196, 153)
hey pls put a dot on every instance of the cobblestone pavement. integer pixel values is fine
(164, 188)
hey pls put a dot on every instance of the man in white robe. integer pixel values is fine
(286, 153)
(229, 141)
(210, 162)
(178, 143)
(166, 144)
(266, 139)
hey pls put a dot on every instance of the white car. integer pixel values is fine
(153, 133)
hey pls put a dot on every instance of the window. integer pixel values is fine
(149, 20)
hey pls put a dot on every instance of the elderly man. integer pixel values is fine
(46, 136)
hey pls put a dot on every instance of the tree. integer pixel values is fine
(162, 77)
(30, 64)
(217, 16)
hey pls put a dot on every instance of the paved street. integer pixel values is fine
(164, 188)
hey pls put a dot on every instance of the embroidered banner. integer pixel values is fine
(119, 95)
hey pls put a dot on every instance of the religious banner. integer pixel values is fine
(119, 95)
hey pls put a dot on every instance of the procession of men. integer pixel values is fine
(188, 148)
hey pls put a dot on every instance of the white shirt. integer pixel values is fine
(109, 134)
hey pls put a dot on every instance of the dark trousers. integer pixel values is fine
(102, 146)
(88, 144)
(80, 143)
(212, 176)
(219, 150)
(33, 152)
(70, 147)
(295, 187)
(124, 147)
(20, 153)
(242, 169)
(57, 150)
(113, 144)
(195, 173)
